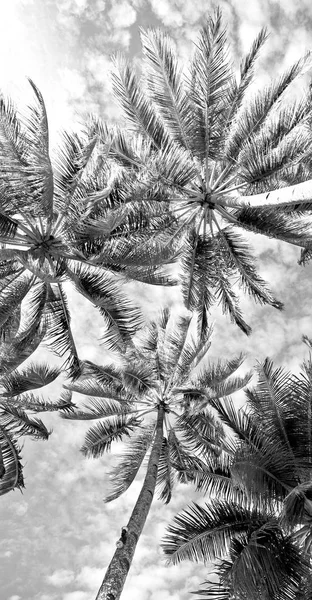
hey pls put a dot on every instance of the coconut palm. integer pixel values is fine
(218, 154)
(260, 526)
(156, 402)
(18, 402)
(69, 218)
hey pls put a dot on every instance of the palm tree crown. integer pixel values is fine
(70, 221)
(200, 142)
(159, 370)
(259, 526)
(159, 399)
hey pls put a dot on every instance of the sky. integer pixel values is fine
(58, 536)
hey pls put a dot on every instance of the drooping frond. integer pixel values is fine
(201, 434)
(121, 318)
(183, 461)
(11, 468)
(203, 533)
(12, 294)
(271, 399)
(124, 473)
(31, 377)
(240, 257)
(100, 437)
(166, 475)
(16, 420)
(229, 303)
(59, 335)
(35, 403)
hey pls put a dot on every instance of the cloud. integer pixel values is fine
(15, 597)
(90, 577)
(60, 577)
(122, 14)
(79, 595)
(21, 509)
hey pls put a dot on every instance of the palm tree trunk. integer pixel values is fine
(119, 566)
(286, 196)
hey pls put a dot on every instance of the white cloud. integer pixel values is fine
(60, 577)
(79, 595)
(167, 13)
(21, 508)
(15, 597)
(90, 577)
(122, 14)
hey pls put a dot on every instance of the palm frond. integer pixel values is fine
(209, 77)
(16, 420)
(165, 475)
(254, 113)
(125, 471)
(8, 227)
(71, 162)
(31, 377)
(201, 433)
(59, 336)
(136, 104)
(229, 303)
(12, 476)
(241, 258)
(184, 462)
(97, 409)
(100, 437)
(39, 171)
(165, 84)
(204, 533)
(237, 91)
(35, 403)
(12, 294)
(121, 318)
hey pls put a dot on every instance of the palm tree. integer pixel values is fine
(221, 159)
(158, 398)
(18, 403)
(259, 527)
(76, 221)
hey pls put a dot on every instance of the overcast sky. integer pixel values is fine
(57, 538)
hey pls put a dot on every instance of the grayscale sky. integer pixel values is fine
(58, 536)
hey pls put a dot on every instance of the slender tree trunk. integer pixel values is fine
(119, 566)
(286, 196)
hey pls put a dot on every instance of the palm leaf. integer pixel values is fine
(11, 460)
(97, 409)
(136, 105)
(16, 420)
(31, 377)
(204, 533)
(121, 318)
(100, 437)
(59, 336)
(165, 83)
(125, 471)
(165, 475)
